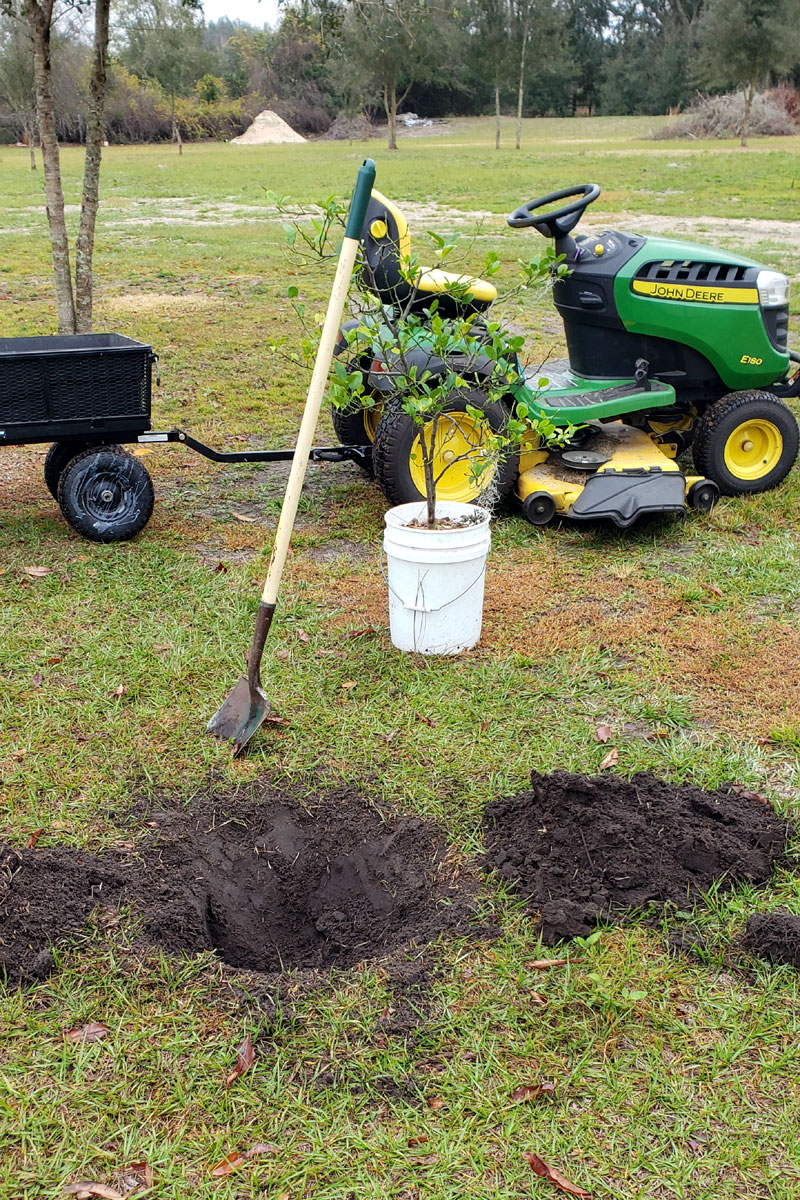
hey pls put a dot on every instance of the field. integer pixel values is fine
(677, 1076)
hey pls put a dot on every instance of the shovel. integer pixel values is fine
(247, 706)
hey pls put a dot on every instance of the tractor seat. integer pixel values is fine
(386, 245)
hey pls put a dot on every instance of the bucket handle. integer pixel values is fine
(422, 608)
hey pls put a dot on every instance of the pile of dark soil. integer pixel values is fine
(267, 881)
(584, 850)
(774, 936)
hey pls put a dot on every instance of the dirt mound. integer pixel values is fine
(583, 849)
(267, 129)
(352, 129)
(774, 936)
(267, 882)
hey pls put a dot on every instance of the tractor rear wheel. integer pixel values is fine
(746, 442)
(466, 473)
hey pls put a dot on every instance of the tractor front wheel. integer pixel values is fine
(464, 470)
(746, 442)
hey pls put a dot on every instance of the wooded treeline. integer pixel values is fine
(171, 71)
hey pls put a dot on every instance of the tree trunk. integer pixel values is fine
(497, 117)
(95, 133)
(176, 128)
(749, 93)
(390, 108)
(521, 91)
(30, 137)
(39, 18)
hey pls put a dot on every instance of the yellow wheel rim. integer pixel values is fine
(371, 418)
(754, 449)
(456, 456)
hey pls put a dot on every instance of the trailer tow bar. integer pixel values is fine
(357, 454)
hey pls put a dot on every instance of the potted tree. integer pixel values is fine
(459, 402)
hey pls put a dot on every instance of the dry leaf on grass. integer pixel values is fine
(121, 690)
(543, 964)
(540, 1168)
(37, 680)
(33, 839)
(531, 1091)
(435, 1102)
(85, 1190)
(37, 572)
(245, 1057)
(245, 517)
(610, 760)
(95, 1031)
(602, 733)
(426, 720)
(262, 1148)
(538, 998)
(301, 633)
(712, 588)
(229, 1164)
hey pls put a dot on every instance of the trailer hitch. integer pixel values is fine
(357, 454)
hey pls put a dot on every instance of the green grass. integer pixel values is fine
(691, 1091)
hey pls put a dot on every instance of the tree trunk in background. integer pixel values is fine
(30, 137)
(749, 93)
(521, 91)
(497, 116)
(95, 135)
(39, 18)
(390, 106)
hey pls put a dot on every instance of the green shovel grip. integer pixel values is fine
(361, 194)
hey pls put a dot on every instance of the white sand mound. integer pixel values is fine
(268, 127)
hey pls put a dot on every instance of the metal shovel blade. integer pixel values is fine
(247, 706)
(241, 714)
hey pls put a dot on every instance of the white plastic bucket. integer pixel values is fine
(436, 578)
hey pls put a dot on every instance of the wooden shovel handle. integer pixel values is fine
(316, 389)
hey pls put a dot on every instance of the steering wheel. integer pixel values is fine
(559, 221)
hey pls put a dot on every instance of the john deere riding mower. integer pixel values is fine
(671, 345)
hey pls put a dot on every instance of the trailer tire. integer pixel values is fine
(60, 453)
(106, 494)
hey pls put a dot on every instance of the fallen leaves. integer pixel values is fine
(602, 733)
(119, 691)
(245, 517)
(435, 1102)
(245, 1057)
(85, 1190)
(540, 1168)
(610, 760)
(432, 721)
(748, 794)
(544, 964)
(37, 572)
(303, 636)
(712, 588)
(33, 839)
(236, 1159)
(531, 1091)
(95, 1031)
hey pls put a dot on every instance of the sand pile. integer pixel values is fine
(267, 129)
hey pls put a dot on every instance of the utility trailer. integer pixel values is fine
(89, 395)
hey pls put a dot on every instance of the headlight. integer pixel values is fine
(773, 289)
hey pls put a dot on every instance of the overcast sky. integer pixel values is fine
(255, 12)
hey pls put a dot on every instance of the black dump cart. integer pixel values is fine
(89, 394)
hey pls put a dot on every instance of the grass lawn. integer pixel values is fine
(684, 638)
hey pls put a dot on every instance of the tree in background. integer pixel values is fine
(384, 47)
(164, 40)
(16, 78)
(744, 41)
(653, 53)
(586, 22)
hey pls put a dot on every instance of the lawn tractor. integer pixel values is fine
(672, 346)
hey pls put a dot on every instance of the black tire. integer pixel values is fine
(395, 468)
(106, 495)
(539, 508)
(773, 429)
(59, 454)
(356, 427)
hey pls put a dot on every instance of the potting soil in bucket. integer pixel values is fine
(436, 576)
